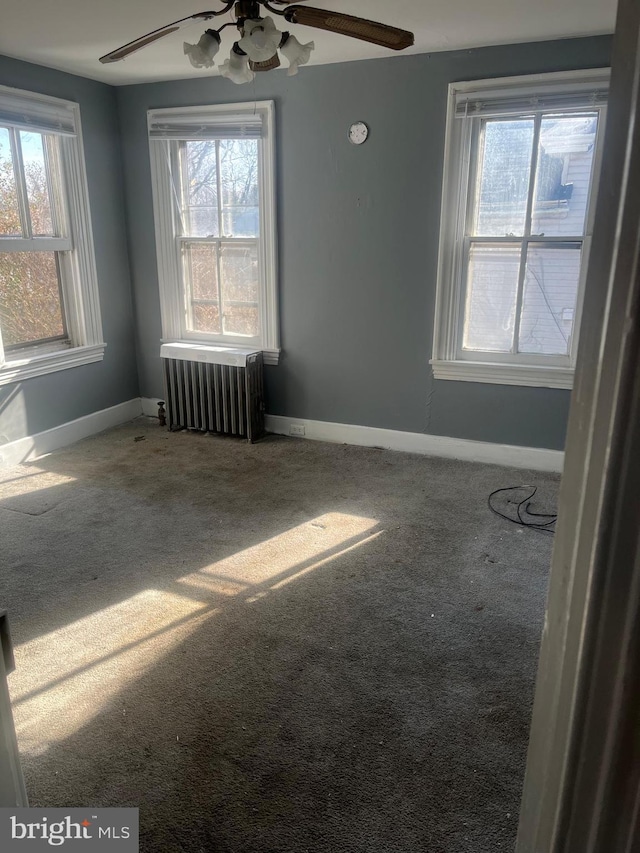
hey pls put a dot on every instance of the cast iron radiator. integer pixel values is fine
(214, 390)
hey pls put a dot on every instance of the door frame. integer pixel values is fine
(582, 783)
(12, 788)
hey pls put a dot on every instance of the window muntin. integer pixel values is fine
(33, 239)
(525, 234)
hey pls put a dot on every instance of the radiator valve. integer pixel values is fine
(162, 415)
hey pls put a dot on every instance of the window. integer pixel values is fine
(213, 196)
(49, 310)
(522, 158)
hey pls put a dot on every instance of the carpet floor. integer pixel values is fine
(287, 647)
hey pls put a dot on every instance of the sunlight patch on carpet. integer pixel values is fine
(270, 561)
(67, 677)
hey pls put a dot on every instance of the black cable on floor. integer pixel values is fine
(523, 517)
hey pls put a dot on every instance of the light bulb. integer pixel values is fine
(297, 54)
(236, 68)
(201, 55)
(260, 39)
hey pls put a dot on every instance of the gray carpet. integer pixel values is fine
(289, 646)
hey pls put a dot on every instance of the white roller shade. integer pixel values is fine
(26, 112)
(195, 125)
(496, 102)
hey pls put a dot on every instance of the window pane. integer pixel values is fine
(206, 318)
(492, 286)
(240, 288)
(239, 183)
(241, 320)
(201, 280)
(240, 272)
(503, 185)
(549, 302)
(240, 221)
(201, 191)
(202, 270)
(35, 174)
(30, 304)
(565, 160)
(9, 216)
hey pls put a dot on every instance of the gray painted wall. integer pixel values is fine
(358, 235)
(47, 401)
(358, 240)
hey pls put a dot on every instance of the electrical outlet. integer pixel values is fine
(296, 429)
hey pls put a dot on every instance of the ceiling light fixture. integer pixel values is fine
(236, 68)
(260, 41)
(297, 54)
(256, 51)
(201, 55)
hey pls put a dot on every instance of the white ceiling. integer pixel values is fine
(72, 34)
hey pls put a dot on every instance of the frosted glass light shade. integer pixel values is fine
(297, 54)
(236, 68)
(201, 55)
(260, 39)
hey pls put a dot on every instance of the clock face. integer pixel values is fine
(358, 133)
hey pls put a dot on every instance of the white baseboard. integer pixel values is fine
(36, 445)
(150, 406)
(535, 458)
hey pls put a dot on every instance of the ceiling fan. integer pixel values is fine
(257, 49)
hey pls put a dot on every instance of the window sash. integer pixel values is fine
(467, 200)
(179, 169)
(55, 189)
(28, 243)
(578, 244)
(60, 260)
(186, 288)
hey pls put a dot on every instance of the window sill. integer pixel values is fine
(504, 374)
(30, 366)
(215, 353)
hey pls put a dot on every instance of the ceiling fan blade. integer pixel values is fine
(347, 25)
(149, 38)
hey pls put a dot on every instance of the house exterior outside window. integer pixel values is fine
(49, 304)
(521, 166)
(214, 207)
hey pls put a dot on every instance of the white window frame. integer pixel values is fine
(173, 306)
(79, 279)
(449, 361)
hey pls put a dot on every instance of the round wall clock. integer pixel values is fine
(358, 133)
